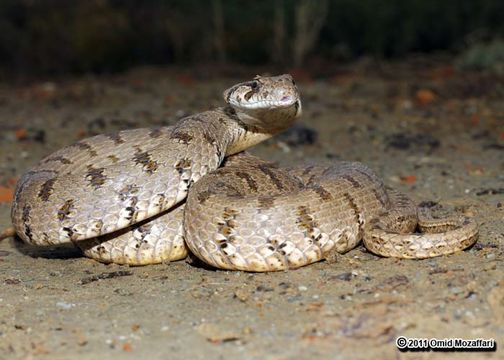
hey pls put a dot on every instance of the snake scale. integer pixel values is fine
(151, 195)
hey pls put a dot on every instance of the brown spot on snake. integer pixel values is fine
(26, 213)
(95, 176)
(116, 138)
(144, 230)
(218, 152)
(65, 210)
(351, 180)
(311, 180)
(401, 199)
(113, 158)
(181, 136)
(231, 113)
(144, 158)
(229, 213)
(323, 193)
(209, 138)
(252, 184)
(204, 196)
(378, 197)
(266, 202)
(230, 190)
(46, 189)
(182, 165)
(28, 232)
(226, 228)
(155, 133)
(26, 219)
(307, 170)
(197, 119)
(267, 171)
(69, 231)
(85, 146)
(132, 211)
(61, 159)
(372, 179)
(357, 213)
(305, 221)
(126, 192)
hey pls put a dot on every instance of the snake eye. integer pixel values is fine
(254, 85)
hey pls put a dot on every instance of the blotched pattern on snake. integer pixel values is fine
(149, 195)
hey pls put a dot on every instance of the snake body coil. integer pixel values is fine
(120, 197)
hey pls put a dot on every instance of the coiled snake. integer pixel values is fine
(120, 197)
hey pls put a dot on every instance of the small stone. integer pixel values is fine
(490, 256)
(12, 281)
(123, 292)
(216, 334)
(294, 298)
(346, 276)
(65, 305)
(455, 290)
(263, 288)
(284, 285)
(241, 295)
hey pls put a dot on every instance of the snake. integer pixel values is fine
(154, 195)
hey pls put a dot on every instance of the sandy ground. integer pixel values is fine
(435, 135)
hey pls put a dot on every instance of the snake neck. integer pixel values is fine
(246, 129)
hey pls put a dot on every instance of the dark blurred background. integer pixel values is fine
(58, 37)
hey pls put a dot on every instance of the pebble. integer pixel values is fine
(284, 285)
(216, 334)
(455, 290)
(284, 147)
(294, 298)
(346, 276)
(65, 305)
(241, 295)
(490, 256)
(302, 288)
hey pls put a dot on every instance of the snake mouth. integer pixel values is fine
(284, 102)
(288, 100)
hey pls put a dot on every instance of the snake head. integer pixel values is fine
(264, 93)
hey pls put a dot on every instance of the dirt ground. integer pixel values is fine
(432, 133)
